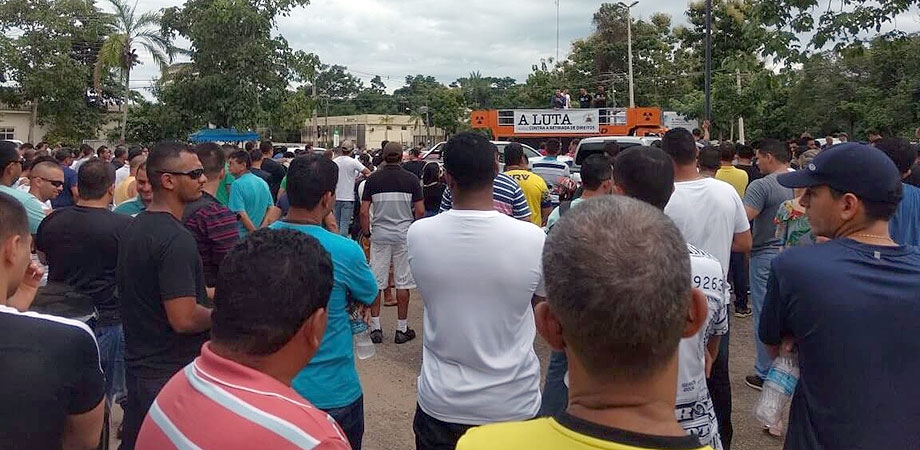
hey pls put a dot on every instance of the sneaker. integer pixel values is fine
(754, 381)
(742, 312)
(377, 336)
(402, 338)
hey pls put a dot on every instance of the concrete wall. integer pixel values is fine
(18, 121)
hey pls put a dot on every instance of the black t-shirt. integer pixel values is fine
(81, 247)
(752, 171)
(416, 167)
(276, 172)
(584, 100)
(49, 369)
(157, 261)
(262, 174)
(600, 100)
(433, 196)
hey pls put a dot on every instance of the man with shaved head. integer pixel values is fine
(46, 182)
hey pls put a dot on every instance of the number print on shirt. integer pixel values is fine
(715, 284)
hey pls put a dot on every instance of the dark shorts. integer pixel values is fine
(433, 434)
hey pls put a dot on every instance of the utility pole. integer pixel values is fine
(315, 134)
(632, 92)
(740, 117)
(708, 69)
(557, 32)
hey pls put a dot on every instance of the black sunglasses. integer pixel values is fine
(54, 183)
(193, 174)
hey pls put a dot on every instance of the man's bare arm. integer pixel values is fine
(246, 221)
(742, 242)
(186, 316)
(82, 431)
(366, 217)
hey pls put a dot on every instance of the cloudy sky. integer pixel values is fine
(444, 38)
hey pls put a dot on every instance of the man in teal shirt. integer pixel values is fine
(134, 206)
(10, 170)
(250, 197)
(331, 381)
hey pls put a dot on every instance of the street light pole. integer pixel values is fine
(557, 31)
(632, 91)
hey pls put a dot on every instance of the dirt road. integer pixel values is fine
(389, 381)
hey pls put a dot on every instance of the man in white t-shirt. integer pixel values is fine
(479, 284)
(349, 168)
(125, 171)
(711, 217)
(647, 174)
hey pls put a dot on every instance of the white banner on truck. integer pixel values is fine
(548, 121)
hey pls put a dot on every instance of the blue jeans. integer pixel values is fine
(351, 419)
(760, 273)
(555, 393)
(111, 341)
(343, 211)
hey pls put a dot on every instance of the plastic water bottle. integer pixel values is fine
(778, 388)
(364, 347)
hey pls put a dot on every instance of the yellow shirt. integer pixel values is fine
(535, 191)
(121, 191)
(735, 177)
(576, 434)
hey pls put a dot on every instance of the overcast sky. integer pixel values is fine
(444, 38)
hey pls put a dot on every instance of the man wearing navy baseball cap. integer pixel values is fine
(844, 306)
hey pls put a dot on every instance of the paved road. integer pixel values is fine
(389, 381)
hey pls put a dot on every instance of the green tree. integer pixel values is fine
(131, 30)
(239, 72)
(46, 52)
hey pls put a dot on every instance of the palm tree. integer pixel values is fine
(118, 50)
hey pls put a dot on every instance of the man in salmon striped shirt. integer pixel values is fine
(269, 318)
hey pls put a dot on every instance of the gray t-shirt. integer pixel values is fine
(393, 192)
(766, 195)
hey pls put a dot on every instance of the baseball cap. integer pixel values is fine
(851, 167)
(392, 148)
(8, 153)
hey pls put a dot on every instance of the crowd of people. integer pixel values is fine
(562, 99)
(215, 302)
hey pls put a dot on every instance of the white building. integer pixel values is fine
(15, 124)
(369, 130)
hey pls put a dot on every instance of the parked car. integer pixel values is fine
(529, 152)
(595, 145)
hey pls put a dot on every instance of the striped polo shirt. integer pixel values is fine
(507, 198)
(218, 403)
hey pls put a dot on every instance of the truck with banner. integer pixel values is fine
(565, 124)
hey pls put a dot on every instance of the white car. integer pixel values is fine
(532, 155)
(595, 145)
